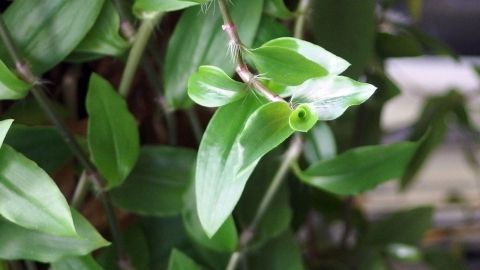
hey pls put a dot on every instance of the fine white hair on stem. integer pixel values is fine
(262, 76)
(234, 49)
(206, 6)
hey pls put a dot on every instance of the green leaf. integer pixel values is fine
(330, 62)
(269, 29)
(4, 127)
(143, 8)
(329, 97)
(360, 169)
(404, 227)
(158, 182)
(112, 132)
(104, 38)
(30, 198)
(303, 118)
(21, 243)
(441, 259)
(398, 45)
(76, 263)
(180, 261)
(44, 145)
(48, 31)
(319, 143)
(277, 8)
(238, 135)
(11, 87)
(198, 40)
(211, 87)
(347, 29)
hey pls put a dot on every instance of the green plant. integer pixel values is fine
(266, 165)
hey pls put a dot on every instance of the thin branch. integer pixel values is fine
(68, 137)
(236, 47)
(247, 235)
(302, 10)
(126, 26)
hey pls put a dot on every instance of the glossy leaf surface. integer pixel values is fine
(112, 132)
(48, 31)
(21, 243)
(238, 135)
(330, 96)
(360, 169)
(198, 40)
(158, 181)
(212, 87)
(30, 198)
(11, 87)
(180, 261)
(76, 263)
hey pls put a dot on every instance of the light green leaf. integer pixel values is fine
(4, 127)
(332, 63)
(360, 169)
(104, 38)
(158, 182)
(277, 8)
(319, 143)
(330, 96)
(11, 87)
(405, 227)
(284, 66)
(21, 243)
(142, 8)
(76, 263)
(198, 40)
(211, 87)
(30, 198)
(238, 135)
(303, 118)
(180, 261)
(112, 132)
(43, 145)
(48, 31)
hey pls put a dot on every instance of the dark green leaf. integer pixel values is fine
(112, 132)
(144, 8)
(238, 135)
(30, 198)
(27, 112)
(158, 182)
(21, 243)
(198, 39)
(360, 169)
(48, 31)
(404, 227)
(440, 259)
(11, 87)
(180, 261)
(399, 45)
(269, 29)
(278, 9)
(76, 263)
(211, 87)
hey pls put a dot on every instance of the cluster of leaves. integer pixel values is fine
(193, 205)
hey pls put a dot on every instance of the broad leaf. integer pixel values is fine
(48, 31)
(212, 87)
(360, 169)
(104, 38)
(238, 135)
(76, 263)
(30, 198)
(44, 145)
(112, 132)
(180, 261)
(158, 182)
(330, 96)
(198, 40)
(21, 243)
(11, 87)
(142, 8)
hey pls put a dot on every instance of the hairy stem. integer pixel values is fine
(247, 235)
(68, 137)
(241, 67)
(136, 53)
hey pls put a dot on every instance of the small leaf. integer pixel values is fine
(278, 9)
(76, 263)
(303, 118)
(158, 182)
(330, 96)
(112, 132)
(48, 31)
(360, 169)
(211, 87)
(180, 261)
(319, 143)
(30, 198)
(21, 243)
(238, 135)
(11, 87)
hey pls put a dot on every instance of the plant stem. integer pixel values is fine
(136, 53)
(241, 67)
(81, 191)
(68, 137)
(301, 18)
(247, 235)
